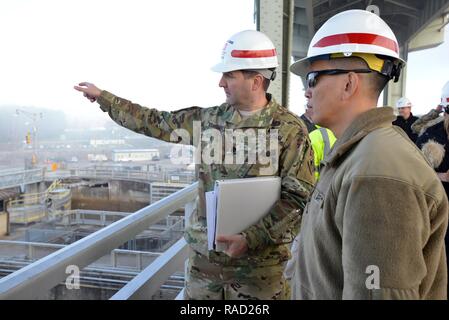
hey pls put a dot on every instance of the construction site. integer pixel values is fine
(42, 213)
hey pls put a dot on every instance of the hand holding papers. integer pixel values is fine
(236, 244)
(236, 204)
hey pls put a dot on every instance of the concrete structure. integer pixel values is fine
(106, 142)
(135, 154)
(4, 224)
(5, 197)
(32, 207)
(97, 157)
(160, 190)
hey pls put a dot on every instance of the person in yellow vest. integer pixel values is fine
(322, 140)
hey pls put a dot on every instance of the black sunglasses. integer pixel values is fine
(312, 77)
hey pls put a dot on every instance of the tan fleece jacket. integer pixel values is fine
(374, 226)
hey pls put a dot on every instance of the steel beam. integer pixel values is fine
(402, 5)
(275, 19)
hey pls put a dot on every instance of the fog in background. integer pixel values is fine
(156, 53)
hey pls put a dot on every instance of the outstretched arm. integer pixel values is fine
(176, 126)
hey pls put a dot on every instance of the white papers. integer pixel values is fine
(211, 214)
(236, 204)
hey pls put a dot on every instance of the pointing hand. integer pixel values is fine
(90, 91)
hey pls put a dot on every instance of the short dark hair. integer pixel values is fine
(377, 80)
(248, 74)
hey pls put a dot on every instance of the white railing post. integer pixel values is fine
(113, 259)
(188, 210)
(139, 261)
(103, 219)
(30, 252)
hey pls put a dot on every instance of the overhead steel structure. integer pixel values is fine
(291, 24)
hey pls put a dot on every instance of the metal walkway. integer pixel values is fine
(34, 280)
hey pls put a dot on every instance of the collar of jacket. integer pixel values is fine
(359, 128)
(430, 124)
(261, 120)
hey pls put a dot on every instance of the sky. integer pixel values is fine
(155, 53)
(427, 73)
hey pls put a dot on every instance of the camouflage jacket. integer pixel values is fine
(266, 239)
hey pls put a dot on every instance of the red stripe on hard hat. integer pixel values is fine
(360, 38)
(253, 53)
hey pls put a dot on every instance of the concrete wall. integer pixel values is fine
(129, 190)
(3, 224)
(61, 292)
(36, 187)
(125, 196)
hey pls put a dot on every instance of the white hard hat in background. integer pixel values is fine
(248, 50)
(403, 103)
(350, 33)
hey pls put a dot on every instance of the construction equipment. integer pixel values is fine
(31, 139)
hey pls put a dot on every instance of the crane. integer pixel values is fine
(34, 117)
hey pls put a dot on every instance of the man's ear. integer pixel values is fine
(258, 81)
(351, 85)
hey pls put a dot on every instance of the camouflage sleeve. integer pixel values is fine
(151, 122)
(281, 224)
(421, 122)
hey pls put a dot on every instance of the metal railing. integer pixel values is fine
(89, 217)
(131, 175)
(29, 252)
(20, 177)
(14, 178)
(104, 218)
(31, 207)
(29, 199)
(34, 280)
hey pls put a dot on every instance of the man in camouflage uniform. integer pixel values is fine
(252, 266)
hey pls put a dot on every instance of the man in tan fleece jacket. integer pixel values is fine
(374, 226)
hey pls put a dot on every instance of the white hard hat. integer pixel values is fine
(403, 103)
(354, 33)
(445, 95)
(248, 50)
